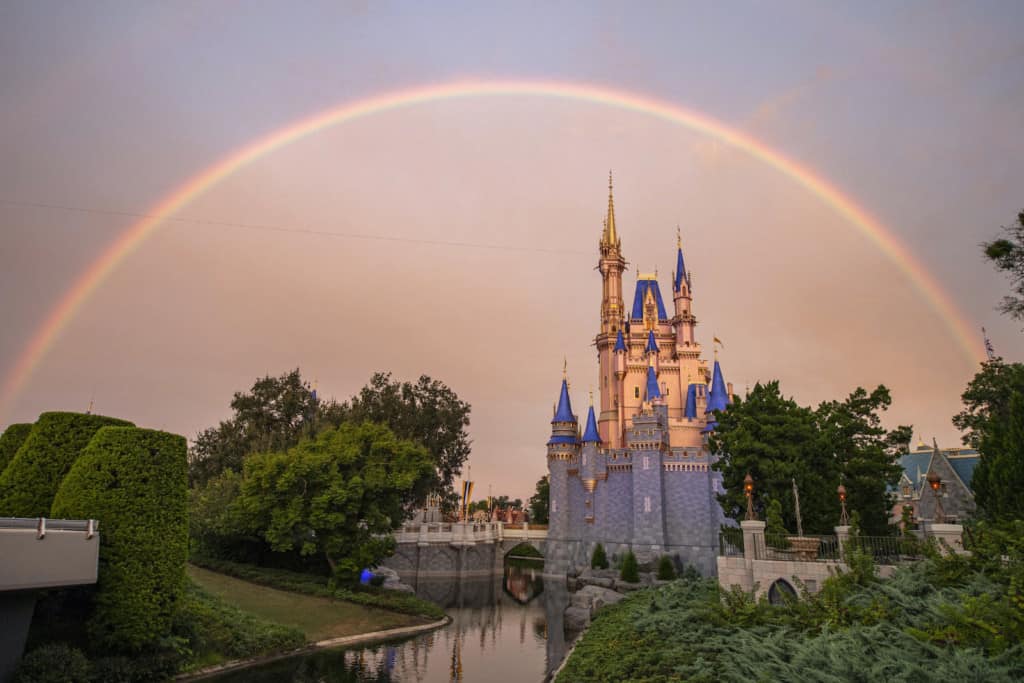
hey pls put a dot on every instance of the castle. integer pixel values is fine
(639, 476)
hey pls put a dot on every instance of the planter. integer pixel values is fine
(804, 547)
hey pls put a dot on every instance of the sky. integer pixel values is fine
(458, 238)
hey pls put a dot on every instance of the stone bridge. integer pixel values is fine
(461, 548)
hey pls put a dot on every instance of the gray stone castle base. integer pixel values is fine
(565, 557)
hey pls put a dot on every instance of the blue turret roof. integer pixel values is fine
(652, 345)
(564, 411)
(642, 287)
(653, 391)
(718, 396)
(620, 343)
(590, 433)
(690, 413)
(680, 271)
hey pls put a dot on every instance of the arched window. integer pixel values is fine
(636, 392)
(781, 592)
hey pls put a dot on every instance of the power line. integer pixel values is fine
(287, 229)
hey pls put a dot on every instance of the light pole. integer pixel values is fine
(936, 483)
(748, 490)
(844, 518)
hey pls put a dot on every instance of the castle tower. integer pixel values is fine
(611, 264)
(563, 455)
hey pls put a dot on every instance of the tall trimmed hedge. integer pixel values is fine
(31, 480)
(135, 482)
(11, 440)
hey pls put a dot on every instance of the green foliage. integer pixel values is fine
(11, 440)
(666, 569)
(540, 501)
(778, 441)
(774, 526)
(427, 412)
(339, 495)
(309, 584)
(53, 663)
(630, 571)
(214, 524)
(215, 629)
(525, 550)
(946, 617)
(273, 416)
(134, 481)
(30, 481)
(998, 480)
(987, 399)
(1007, 254)
(599, 560)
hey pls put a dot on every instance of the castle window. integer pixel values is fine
(647, 463)
(636, 392)
(647, 503)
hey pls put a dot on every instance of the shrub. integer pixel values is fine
(599, 560)
(30, 481)
(134, 481)
(11, 440)
(630, 570)
(666, 569)
(53, 663)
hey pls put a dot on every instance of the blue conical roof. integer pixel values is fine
(652, 345)
(653, 391)
(564, 411)
(590, 433)
(718, 398)
(680, 271)
(620, 343)
(690, 413)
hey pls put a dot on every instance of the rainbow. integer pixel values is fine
(133, 237)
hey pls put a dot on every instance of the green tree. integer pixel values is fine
(540, 500)
(272, 416)
(135, 481)
(998, 480)
(31, 480)
(1007, 253)
(866, 453)
(11, 440)
(427, 412)
(215, 526)
(630, 571)
(339, 495)
(599, 559)
(776, 441)
(666, 569)
(987, 399)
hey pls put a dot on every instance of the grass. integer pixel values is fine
(319, 618)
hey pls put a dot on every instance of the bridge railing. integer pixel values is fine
(468, 532)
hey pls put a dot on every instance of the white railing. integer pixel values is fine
(467, 532)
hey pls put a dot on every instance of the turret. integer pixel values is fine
(718, 396)
(611, 264)
(563, 454)
(683, 299)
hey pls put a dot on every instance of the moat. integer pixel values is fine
(504, 628)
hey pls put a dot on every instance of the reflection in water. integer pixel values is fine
(504, 628)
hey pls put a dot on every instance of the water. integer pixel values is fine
(504, 628)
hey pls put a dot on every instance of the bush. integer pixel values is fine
(599, 560)
(666, 569)
(134, 481)
(53, 663)
(11, 440)
(630, 570)
(31, 480)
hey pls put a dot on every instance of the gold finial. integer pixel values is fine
(610, 238)
(591, 397)
(565, 367)
(679, 238)
(655, 272)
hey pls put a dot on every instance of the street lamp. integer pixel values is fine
(844, 518)
(748, 490)
(936, 483)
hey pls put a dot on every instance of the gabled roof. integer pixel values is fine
(642, 287)
(564, 411)
(590, 433)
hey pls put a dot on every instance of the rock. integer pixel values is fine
(603, 582)
(393, 584)
(386, 573)
(626, 586)
(576, 618)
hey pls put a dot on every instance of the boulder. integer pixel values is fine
(626, 586)
(576, 618)
(397, 586)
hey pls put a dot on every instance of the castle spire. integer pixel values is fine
(563, 413)
(680, 274)
(590, 434)
(653, 390)
(610, 238)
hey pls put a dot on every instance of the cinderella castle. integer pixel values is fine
(638, 476)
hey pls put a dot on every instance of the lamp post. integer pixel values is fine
(748, 490)
(844, 518)
(936, 483)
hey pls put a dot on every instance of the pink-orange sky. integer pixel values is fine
(914, 111)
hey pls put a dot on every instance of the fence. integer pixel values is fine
(788, 548)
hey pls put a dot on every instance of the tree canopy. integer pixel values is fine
(778, 442)
(339, 495)
(540, 501)
(987, 399)
(1007, 253)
